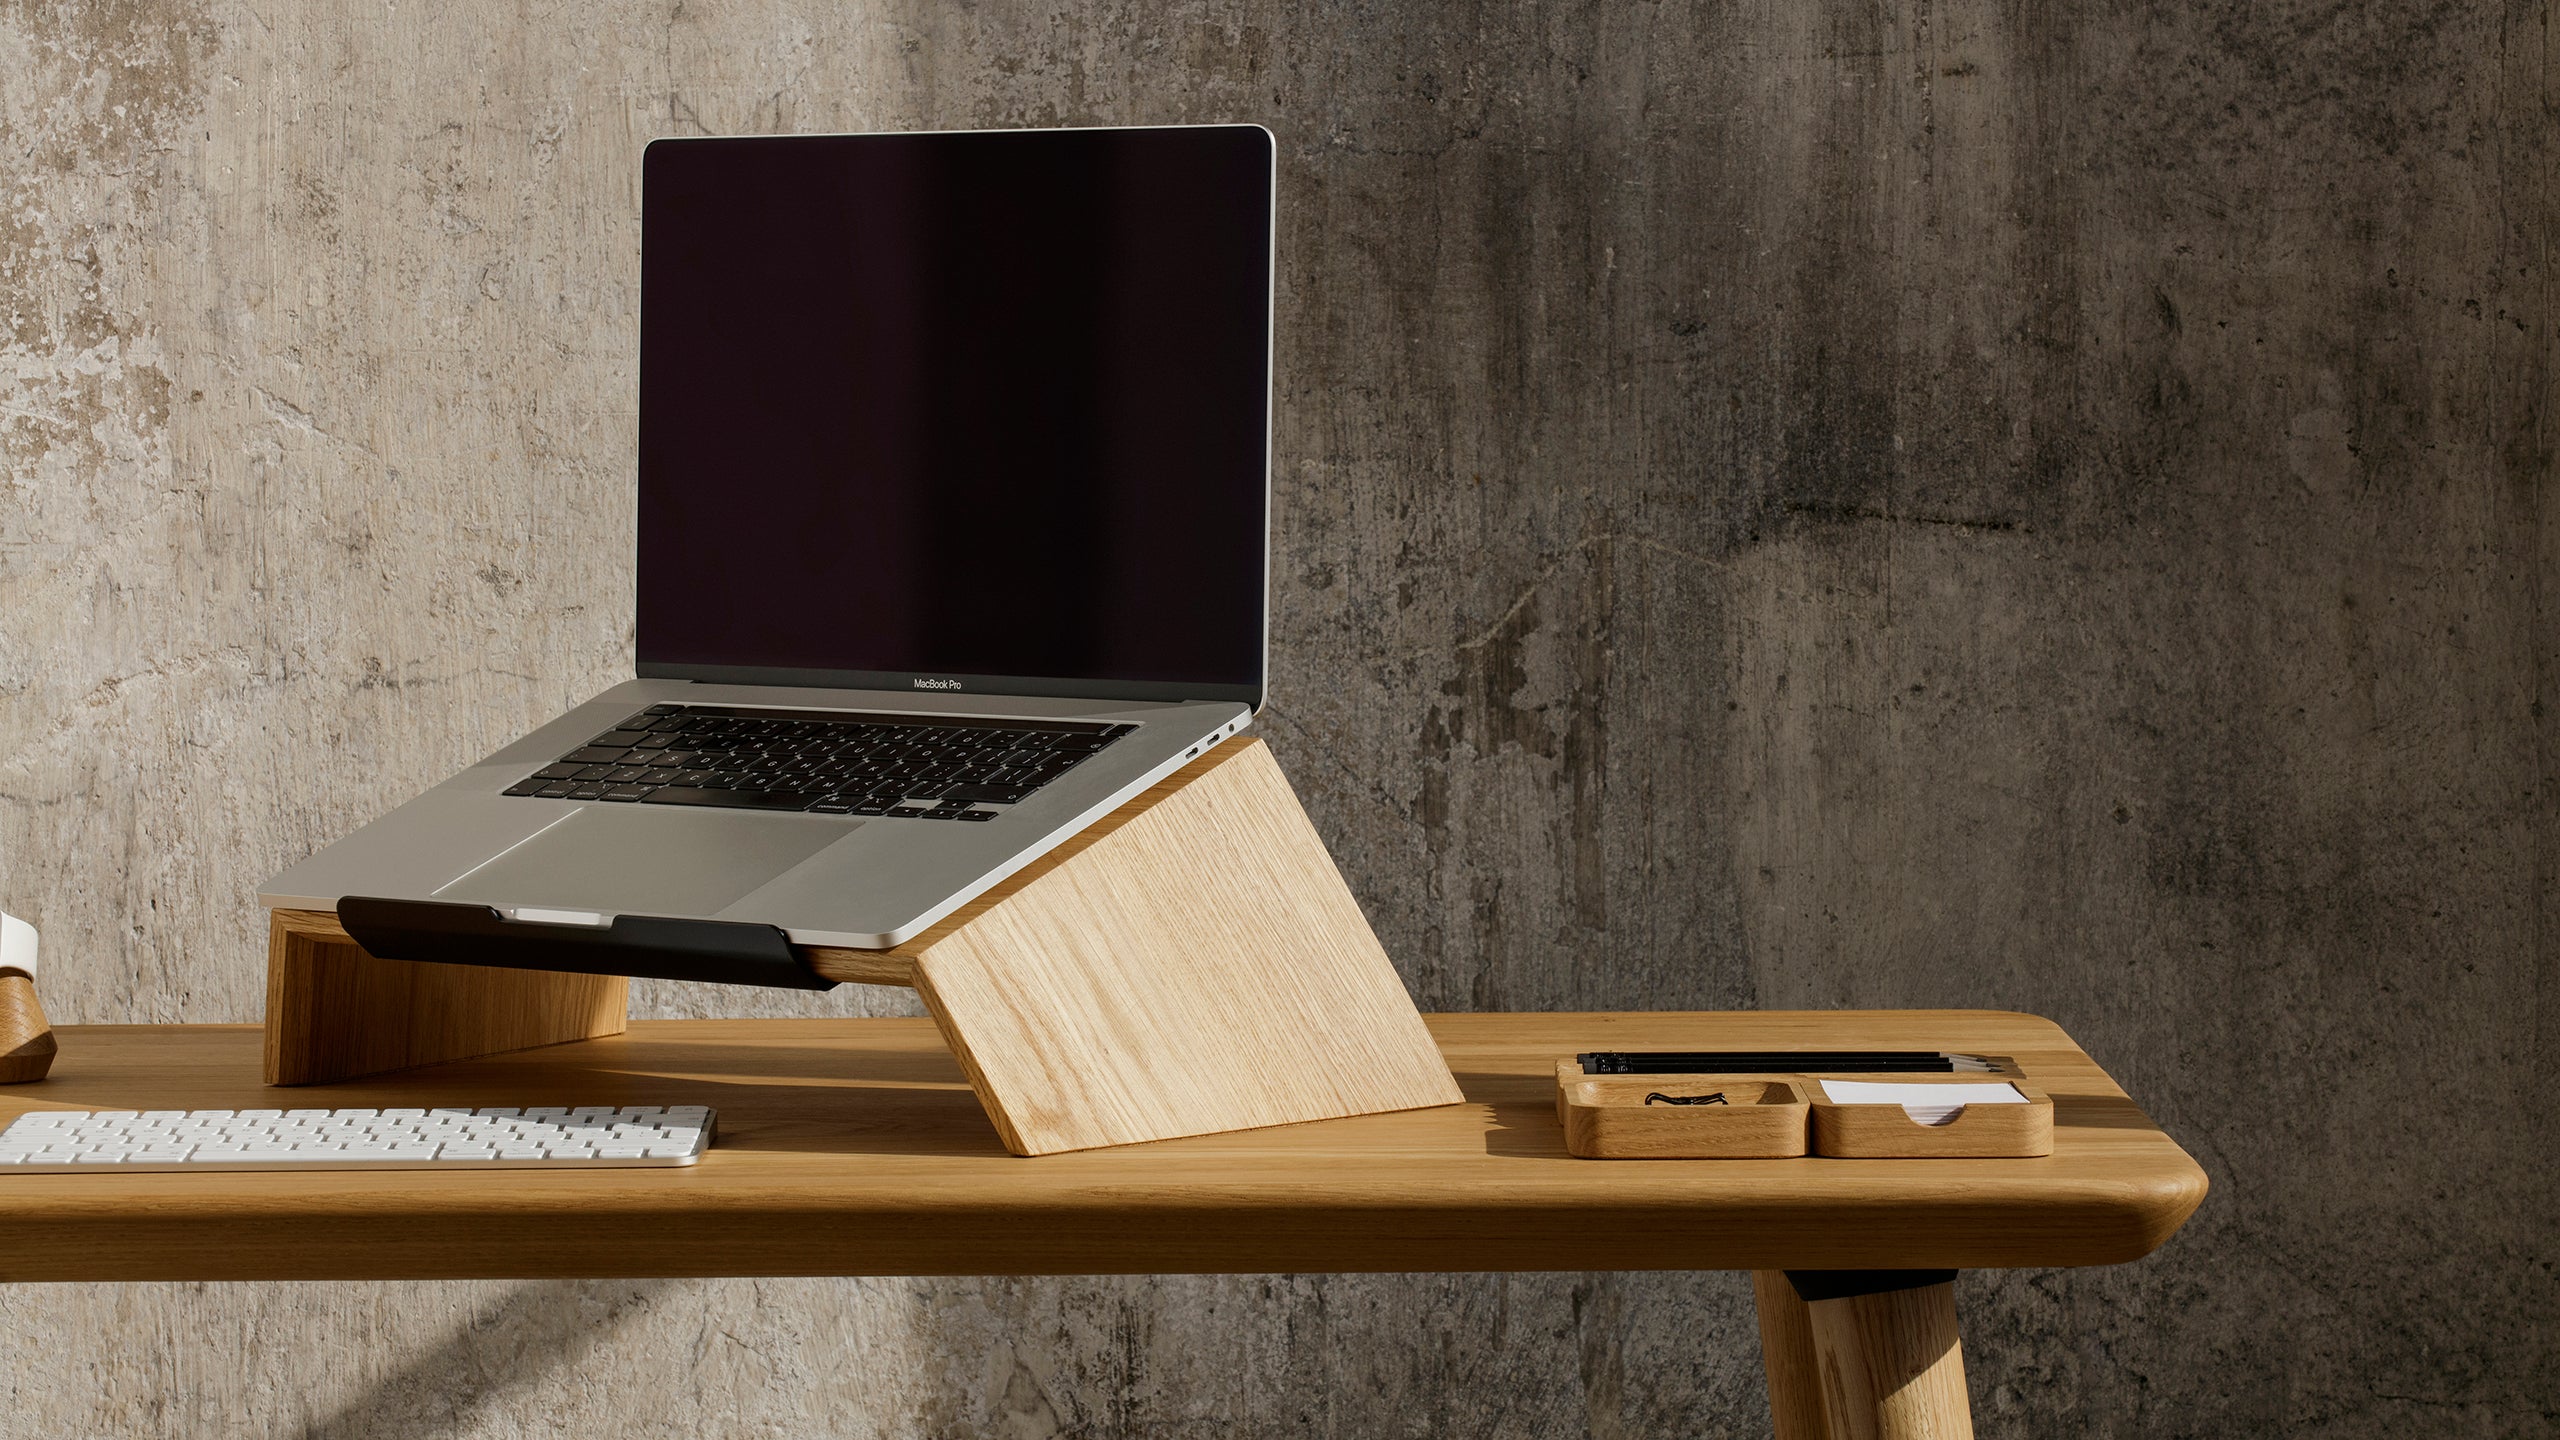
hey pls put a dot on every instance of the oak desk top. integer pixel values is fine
(853, 1147)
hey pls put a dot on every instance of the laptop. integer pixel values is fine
(953, 533)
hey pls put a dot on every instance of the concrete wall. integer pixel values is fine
(1779, 505)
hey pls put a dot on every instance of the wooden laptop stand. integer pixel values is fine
(1191, 964)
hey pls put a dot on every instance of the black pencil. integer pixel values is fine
(1700, 1062)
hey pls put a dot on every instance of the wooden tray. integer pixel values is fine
(1608, 1118)
(1878, 1132)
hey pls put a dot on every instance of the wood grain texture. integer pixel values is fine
(335, 1012)
(26, 1039)
(1787, 1359)
(1892, 1365)
(1867, 1132)
(856, 1147)
(1198, 966)
(1763, 1117)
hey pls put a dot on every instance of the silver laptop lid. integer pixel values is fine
(981, 411)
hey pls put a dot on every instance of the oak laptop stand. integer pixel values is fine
(1191, 964)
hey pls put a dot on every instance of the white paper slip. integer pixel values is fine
(1928, 1104)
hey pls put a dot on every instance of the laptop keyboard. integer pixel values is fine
(828, 761)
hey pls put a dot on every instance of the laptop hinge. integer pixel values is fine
(724, 952)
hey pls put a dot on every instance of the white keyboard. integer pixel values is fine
(499, 1138)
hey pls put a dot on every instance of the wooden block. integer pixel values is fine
(26, 1040)
(1191, 964)
(335, 1012)
(1615, 1118)
(1879, 1132)
(1892, 1364)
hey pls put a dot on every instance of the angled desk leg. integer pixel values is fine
(335, 1012)
(1786, 1353)
(1883, 1345)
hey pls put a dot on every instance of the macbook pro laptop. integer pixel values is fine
(953, 513)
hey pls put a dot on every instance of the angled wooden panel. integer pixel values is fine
(335, 1012)
(1194, 964)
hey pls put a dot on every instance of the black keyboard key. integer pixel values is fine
(593, 755)
(733, 799)
(975, 815)
(626, 775)
(559, 772)
(587, 792)
(526, 787)
(628, 792)
(556, 790)
(833, 807)
(621, 739)
(653, 742)
(591, 772)
(908, 812)
(871, 807)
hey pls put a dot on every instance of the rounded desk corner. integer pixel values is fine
(2147, 1213)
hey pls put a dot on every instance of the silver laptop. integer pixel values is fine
(953, 513)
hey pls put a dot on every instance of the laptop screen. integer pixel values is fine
(979, 411)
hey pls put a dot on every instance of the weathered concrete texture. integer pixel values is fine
(1780, 505)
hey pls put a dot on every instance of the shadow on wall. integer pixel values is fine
(532, 1332)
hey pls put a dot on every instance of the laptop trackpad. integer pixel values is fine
(631, 860)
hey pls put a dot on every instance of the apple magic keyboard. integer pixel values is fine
(542, 1137)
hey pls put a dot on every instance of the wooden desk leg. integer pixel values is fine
(1891, 1363)
(1786, 1353)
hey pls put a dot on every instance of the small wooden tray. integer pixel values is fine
(1606, 1118)
(1878, 1132)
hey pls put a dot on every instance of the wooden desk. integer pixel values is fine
(856, 1148)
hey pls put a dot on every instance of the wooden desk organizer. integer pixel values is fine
(1611, 1117)
(1606, 1117)
(1191, 964)
(1882, 1132)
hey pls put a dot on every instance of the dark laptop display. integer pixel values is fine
(978, 408)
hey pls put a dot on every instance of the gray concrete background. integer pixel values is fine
(1779, 505)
